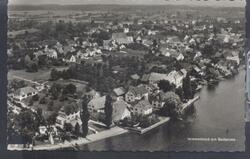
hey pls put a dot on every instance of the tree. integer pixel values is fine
(77, 129)
(31, 102)
(16, 84)
(172, 106)
(55, 90)
(70, 108)
(43, 100)
(165, 86)
(187, 89)
(52, 118)
(27, 60)
(27, 122)
(85, 115)
(108, 111)
(69, 89)
(35, 97)
(54, 74)
(179, 92)
(30, 65)
(67, 127)
(40, 118)
(50, 105)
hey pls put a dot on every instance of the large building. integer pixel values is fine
(24, 92)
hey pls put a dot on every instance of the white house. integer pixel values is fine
(72, 59)
(136, 93)
(73, 118)
(24, 92)
(97, 104)
(143, 107)
(52, 54)
(120, 110)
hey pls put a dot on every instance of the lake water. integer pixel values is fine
(218, 114)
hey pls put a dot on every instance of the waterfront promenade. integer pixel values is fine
(80, 141)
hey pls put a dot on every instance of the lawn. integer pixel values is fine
(57, 104)
(41, 76)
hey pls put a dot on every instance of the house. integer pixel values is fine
(234, 59)
(24, 92)
(139, 39)
(70, 59)
(197, 70)
(122, 38)
(156, 77)
(39, 53)
(72, 118)
(126, 30)
(178, 56)
(183, 72)
(145, 78)
(147, 42)
(142, 107)
(43, 130)
(151, 88)
(59, 47)
(166, 51)
(136, 93)
(197, 55)
(97, 104)
(157, 100)
(119, 92)
(52, 54)
(80, 55)
(135, 77)
(174, 40)
(176, 77)
(120, 110)
(107, 45)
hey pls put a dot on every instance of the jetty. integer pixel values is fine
(162, 121)
(189, 103)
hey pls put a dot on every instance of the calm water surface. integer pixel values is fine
(218, 110)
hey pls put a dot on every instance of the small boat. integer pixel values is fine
(136, 125)
(213, 82)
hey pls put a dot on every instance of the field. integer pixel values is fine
(40, 76)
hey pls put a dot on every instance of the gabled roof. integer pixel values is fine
(145, 77)
(25, 90)
(196, 68)
(119, 107)
(183, 71)
(157, 76)
(119, 91)
(159, 97)
(135, 76)
(139, 90)
(118, 35)
(143, 104)
(98, 102)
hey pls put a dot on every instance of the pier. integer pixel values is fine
(189, 103)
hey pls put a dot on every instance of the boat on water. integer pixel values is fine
(213, 82)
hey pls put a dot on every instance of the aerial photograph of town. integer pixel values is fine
(125, 77)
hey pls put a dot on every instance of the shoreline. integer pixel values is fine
(115, 131)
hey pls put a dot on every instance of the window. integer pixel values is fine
(58, 121)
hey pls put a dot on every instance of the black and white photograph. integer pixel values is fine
(128, 75)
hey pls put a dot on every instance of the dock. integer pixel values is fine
(145, 130)
(189, 103)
